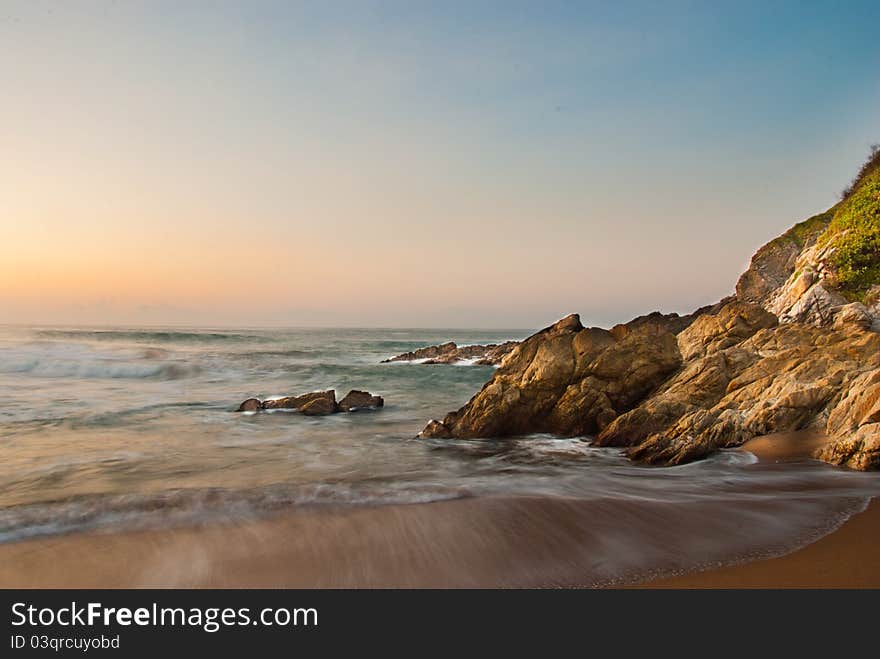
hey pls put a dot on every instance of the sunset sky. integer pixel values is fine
(414, 164)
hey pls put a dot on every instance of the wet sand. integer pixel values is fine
(482, 542)
(477, 542)
(462, 543)
(782, 446)
(846, 558)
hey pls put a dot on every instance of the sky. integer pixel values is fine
(414, 164)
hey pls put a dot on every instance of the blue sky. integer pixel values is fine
(418, 164)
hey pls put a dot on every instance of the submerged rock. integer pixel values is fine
(316, 403)
(451, 353)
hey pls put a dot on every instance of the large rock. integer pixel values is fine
(567, 380)
(319, 407)
(298, 402)
(744, 376)
(854, 315)
(732, 324)
(360, 400)
(855, 424)
(786, 378)
(250, 405)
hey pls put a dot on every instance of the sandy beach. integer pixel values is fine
(471, 542)
(467, 543)
(842, 559)
(845, 558)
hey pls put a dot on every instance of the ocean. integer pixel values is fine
(111, 429)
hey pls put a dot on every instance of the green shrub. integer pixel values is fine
(855, 234)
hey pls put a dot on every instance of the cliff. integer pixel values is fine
(797, 347)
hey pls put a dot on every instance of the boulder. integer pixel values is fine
(298, 402)
(319, 407)
(816, 306)
(250, 405)
(854, 315)
(732, 324)
(360, 400)
(855, 425)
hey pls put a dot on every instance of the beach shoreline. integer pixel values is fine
(836, 560)
(477, 542)
(841, 559)
(432, 545)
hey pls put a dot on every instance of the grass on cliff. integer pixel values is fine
(802, 232)
(854, 232)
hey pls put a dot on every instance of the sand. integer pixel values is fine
(464, 543)
(479, 542)
(782, 446)
(846, 558)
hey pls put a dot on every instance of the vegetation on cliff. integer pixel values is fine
(854, 234)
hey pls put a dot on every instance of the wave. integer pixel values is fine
(157, 336)
(96, 368)
(189, 506)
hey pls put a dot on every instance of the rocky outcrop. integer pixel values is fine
(786, 378)
(731, 375)
(715, 330)
(854, 422)
(773, 265)
(316, 403)
(855, 315)
(811, 272)
(567, 380)
(451, 353)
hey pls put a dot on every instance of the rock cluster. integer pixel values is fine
(570, 380)
(451, 353)
(782, 378)
(317, 403)
(730, 374)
